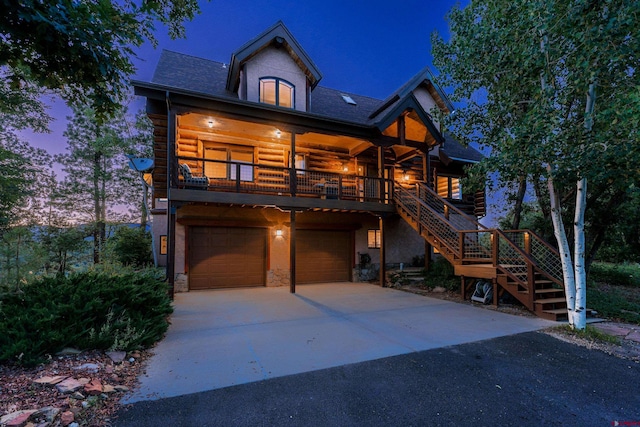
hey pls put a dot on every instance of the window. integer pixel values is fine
(223, 170)
(277, 91)
(449, 187)
(373, 239)
(301, 163)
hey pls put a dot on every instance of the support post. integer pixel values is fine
(171, 247)
(383, 196)
(383, 268)
(427, 256)
(293, 175)
(292, 253)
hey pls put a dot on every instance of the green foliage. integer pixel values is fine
(592, 334)
(21, 258)
(82, 49)
(616, 274)
(132, 246)
(90, 310)
(615, 303)
(441, 274)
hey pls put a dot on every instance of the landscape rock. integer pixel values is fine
(50, 380)
(117, 356)
(83, 381)
(108, 388)
(16, 419)
(67, 418)
(93, 388)
(122, 388)
(46, 414)
(439, 289)
(69, 385)
(77, 395)
(90, 367)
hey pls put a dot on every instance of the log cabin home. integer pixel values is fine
(263, 177)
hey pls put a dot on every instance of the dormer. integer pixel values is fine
(273, 69)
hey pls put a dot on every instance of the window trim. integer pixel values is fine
(277, 81)
(449, 179)
(376, 238)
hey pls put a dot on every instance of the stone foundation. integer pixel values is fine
(181, 283)
(278, 277)
(367, 274)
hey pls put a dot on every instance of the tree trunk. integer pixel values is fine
(517, 209)
(579, 313)
(563, 248)
(96, 208)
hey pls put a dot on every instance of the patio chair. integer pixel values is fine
(190, 181)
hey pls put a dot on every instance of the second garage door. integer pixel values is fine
(323, 256)
(226, 257)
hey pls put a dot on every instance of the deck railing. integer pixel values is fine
(520, 254)
(242, 177)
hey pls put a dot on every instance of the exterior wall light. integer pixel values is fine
(278, 133)
(210, 123)
(278, 233)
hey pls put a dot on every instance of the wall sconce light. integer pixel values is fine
(278, 233)
(405, 175)
(345, 167)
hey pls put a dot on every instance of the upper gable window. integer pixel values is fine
(277, 91)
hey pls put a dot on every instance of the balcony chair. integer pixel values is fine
(190, 181)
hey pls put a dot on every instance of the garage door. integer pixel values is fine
(323, 256)
(226, 257)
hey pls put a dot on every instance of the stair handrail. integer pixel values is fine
(401, 193)
(546, 257)
(423, 188)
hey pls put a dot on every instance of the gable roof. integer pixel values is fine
(202, 77)
(277, 35)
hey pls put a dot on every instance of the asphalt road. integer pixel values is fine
(529, 379)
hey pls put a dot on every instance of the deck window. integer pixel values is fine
(276, 91)
(373, 239)
(449, 187)
(221, 169)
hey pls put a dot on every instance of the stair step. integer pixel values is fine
(550, 300)
(556, 311)
(548, 290)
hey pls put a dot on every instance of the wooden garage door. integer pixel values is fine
(226, 257)
(323, 256)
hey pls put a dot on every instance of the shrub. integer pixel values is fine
(615, 274)
(89, 310)
(132, 246)
(441, 274)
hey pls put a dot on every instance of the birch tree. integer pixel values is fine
(552, 89)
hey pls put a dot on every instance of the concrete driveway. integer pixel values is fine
(222, 338)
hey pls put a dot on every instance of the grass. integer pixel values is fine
(614, 291)
(591, 334)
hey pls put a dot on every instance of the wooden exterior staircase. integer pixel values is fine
(517, 261)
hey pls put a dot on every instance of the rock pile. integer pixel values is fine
(70, 394)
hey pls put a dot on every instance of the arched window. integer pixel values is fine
(276, 91)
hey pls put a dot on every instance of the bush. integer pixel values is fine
(441, 274)
(132, 246)
(89, 310)
(615, 274)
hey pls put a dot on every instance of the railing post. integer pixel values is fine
(531, 285)
(419, 219)
(527, 243)
(339, 187)
(237, 165)
(495, 245)
(446, 212)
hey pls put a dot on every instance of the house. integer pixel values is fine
(263, 177)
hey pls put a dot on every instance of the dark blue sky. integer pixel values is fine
(365, 47)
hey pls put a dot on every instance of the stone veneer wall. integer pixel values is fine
(278, 277)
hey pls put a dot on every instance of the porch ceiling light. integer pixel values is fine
(278, 133)
(210, 123)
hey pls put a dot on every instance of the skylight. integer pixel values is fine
(348, 99)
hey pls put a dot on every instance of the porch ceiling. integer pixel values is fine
(224, 129)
